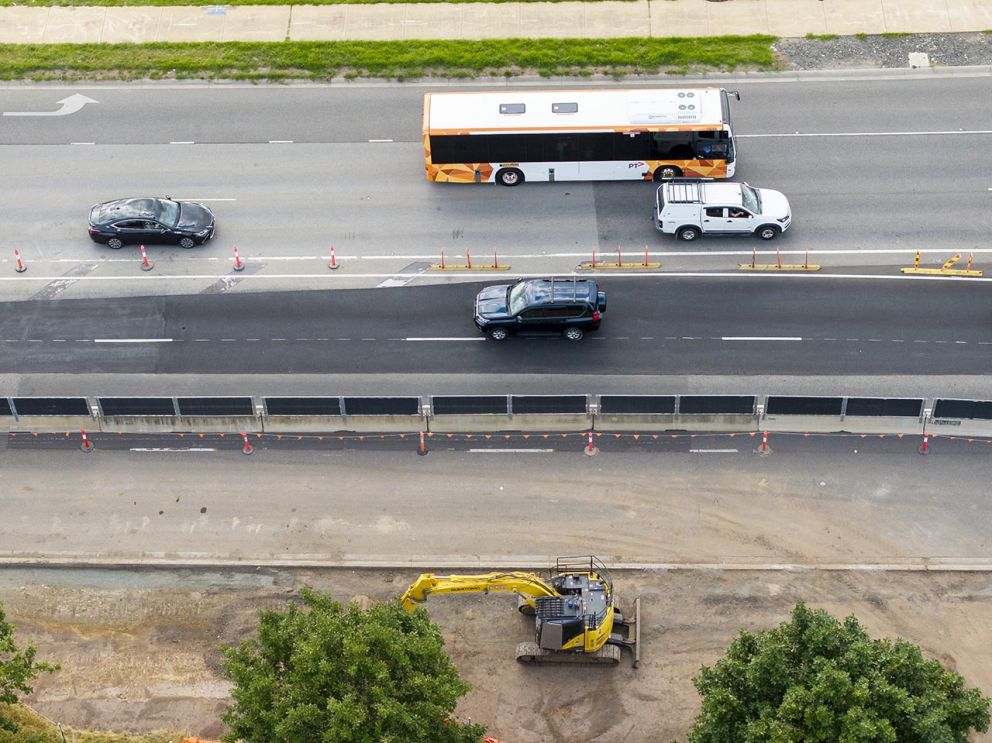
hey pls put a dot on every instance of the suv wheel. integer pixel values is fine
(688, 234)
(573, 333)
(510, 177)
(498, 334)
(768, 232)
(115, 243)
(665, 172)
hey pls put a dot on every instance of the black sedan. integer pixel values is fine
(185, 223)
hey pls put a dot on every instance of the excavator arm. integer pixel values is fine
(526, 585)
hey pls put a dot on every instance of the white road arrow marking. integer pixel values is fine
(70, 105)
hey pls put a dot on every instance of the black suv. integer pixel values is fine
(566, 306)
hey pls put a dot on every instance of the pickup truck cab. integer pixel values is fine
(690, 207)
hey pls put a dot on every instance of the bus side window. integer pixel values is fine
(671, 145)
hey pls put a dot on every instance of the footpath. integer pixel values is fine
(389, 21)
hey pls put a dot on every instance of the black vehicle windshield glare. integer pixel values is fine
(168, 213)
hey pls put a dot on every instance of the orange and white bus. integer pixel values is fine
(511, 136)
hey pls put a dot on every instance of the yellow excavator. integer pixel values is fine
(576, 612)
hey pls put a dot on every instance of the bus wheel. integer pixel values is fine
(768, 232)
(510, 177)
(667, 171)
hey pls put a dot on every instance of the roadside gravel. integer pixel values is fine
(861, 52)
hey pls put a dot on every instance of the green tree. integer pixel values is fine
(816, 680)
(321, 672)
(17, 668)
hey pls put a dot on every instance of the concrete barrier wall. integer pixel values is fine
(960, 427)
(343, 423)
(653, 422)
(837, 424)
(563, 422)
(51, 423)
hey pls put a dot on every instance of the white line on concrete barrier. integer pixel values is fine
(169, 449)
(511, 451)
(713, 451)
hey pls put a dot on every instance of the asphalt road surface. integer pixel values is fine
(786, 325)
(874, 164)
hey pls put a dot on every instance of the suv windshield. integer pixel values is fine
(168, 213)
(517, 298)
(752, 200)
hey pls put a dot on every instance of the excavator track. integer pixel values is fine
(532, 653)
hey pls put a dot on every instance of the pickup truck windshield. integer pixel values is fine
(752, 199)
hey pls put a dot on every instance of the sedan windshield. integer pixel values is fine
(168, 213)
(752, 200)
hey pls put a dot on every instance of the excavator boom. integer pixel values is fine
(527, 585)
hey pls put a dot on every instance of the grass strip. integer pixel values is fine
(33, 728)
(402, 60)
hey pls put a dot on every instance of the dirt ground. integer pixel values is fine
(139, 648)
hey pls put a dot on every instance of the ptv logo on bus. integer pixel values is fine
(635, 165)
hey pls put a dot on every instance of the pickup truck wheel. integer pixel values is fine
(510, 177)
(768, 232)
(498, 334)
(573, 334)
(688, 234)
(667, 171)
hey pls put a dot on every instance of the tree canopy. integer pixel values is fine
(816, 680)
(17, 668)
(321, 672)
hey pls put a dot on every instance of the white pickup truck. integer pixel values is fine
(690, 207)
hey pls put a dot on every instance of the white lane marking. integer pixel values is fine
(510, 451)
(167, 448)
(757, 338)
(713, 451)
(82, 143)
(280, 141)
(66, 106)
(688, 254)
(189, 142)
(444, 339)
(133, 340)
(863, 134)
(374, 141)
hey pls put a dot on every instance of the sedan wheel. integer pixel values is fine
(499, 334)
(187, 242)
(115, 243)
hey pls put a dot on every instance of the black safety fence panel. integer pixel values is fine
(637, 404)
(303, 405)
(51, 406)
(469, 405)
(716, 405)
(979, 409)
(220, 406)
(382, 406)
(5, 408)
(804, 405)
(123, 406)
(549, 404)
(895, 407)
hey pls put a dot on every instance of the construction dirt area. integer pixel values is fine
(139, 648)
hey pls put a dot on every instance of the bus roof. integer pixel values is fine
(513, 110)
